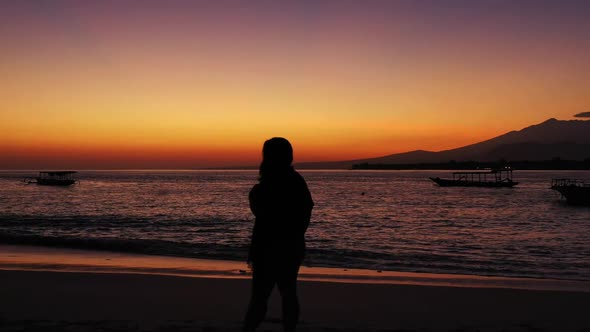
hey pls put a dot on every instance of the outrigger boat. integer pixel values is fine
(576, 192)
(492, 178)
(54, 178)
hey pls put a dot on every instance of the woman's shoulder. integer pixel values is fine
(255, 190)
(298, 178)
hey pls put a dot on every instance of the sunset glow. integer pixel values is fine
(182, 84)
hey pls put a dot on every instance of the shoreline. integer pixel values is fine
(116, 292)
(50, 259)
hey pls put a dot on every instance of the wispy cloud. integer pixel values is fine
(582, 115)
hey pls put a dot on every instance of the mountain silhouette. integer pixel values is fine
(547, 140)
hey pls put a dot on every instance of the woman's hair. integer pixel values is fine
(277, 156)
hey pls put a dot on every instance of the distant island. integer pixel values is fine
(552, 144)
(554, 164)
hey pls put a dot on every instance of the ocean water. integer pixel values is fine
(380, 220)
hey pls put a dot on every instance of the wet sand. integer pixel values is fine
(38, 295)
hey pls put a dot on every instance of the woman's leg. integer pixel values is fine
(262, 285)
(287, 284)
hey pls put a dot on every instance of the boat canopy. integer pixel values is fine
(486, 171)
(57, 173)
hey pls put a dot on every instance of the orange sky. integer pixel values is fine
(180, 85)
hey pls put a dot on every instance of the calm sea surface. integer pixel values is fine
(383, 220)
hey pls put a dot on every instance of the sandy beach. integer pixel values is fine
(67, 290)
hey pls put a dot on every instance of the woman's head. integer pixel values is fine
(278, 152)
(277, 155)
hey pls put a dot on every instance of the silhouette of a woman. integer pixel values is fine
(282, 204)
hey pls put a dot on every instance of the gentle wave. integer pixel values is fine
(139, 246)
(344, 258)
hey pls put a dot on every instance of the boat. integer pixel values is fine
(575, 191)
(491, 178)
(53, 178)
